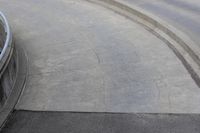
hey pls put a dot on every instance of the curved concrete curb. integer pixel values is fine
(184, 48)
(18, 86)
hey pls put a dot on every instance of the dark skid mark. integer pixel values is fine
(180, 19)
(184, 5)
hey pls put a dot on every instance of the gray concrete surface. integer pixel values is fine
(83, 57)
(62, 122)
(182, 14)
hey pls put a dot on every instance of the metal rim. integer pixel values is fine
(8, 35)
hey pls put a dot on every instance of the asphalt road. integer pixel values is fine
(62, 122)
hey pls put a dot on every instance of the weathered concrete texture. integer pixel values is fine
(61, 122)
(183, 14)
(84, 57)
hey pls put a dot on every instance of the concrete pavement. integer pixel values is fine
(83, 57)
(91, 69)
(182, 14)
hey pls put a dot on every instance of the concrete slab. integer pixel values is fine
(84, 57)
